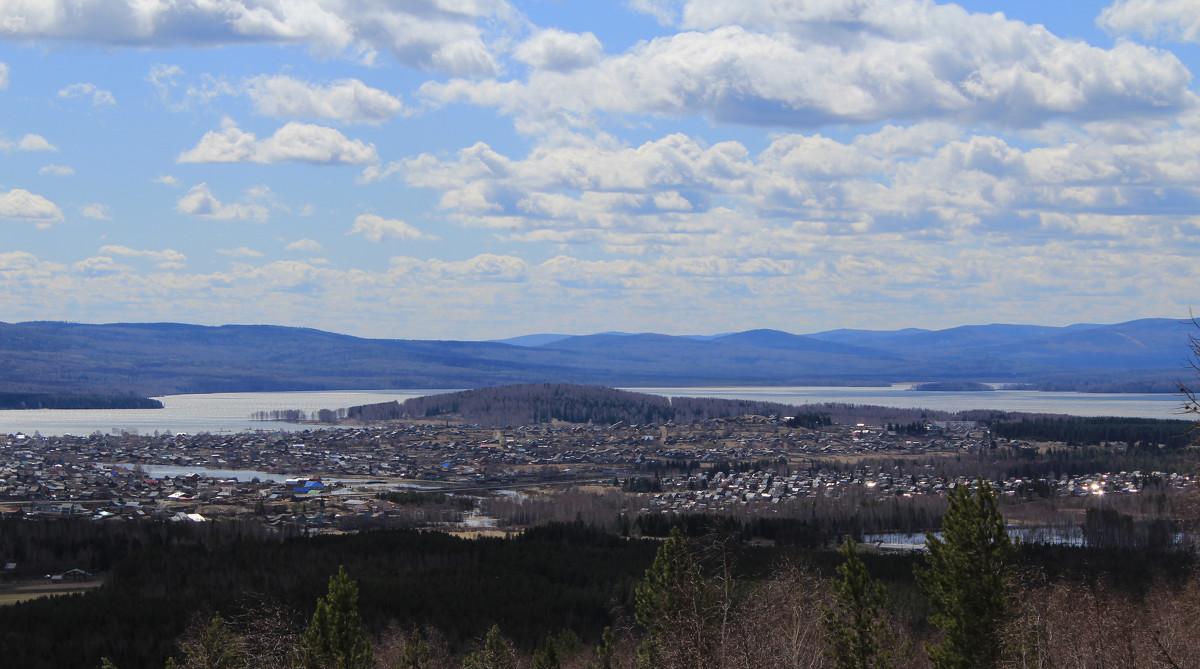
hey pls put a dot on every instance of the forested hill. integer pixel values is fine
(70, 401)
(165, 358)
(545, 402)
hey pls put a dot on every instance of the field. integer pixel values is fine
(12, 593)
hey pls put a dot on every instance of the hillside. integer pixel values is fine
(527, 404)
(168, 358)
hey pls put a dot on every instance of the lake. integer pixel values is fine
(230, 412)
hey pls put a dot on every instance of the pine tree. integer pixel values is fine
(675, 606)
(606, 650)
(497, 653)
(547, 657)
(967, 579)
(854, 625)
(416, 653)
(334, 638)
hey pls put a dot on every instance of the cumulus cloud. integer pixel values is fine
(926, 182)
(485, 267)
(164, 259)
(806, 65)
(3, 76)
(99, 212)
(57, 170)
(166, 180)
(200, 202)
(554, 49)
(294, 142)
(35, 143)
(27, 143)
(240, 252)
(19, 204)
(304, 244)
(442, 35)
(99, 96)
(99, 266)
(377, 228)
(344, 100)
(1176, 20)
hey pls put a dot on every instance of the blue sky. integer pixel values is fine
(477, 169)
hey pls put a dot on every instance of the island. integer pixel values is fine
(953, 387)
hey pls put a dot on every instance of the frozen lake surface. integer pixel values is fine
(230, 412)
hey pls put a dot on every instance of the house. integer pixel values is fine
(72, 576)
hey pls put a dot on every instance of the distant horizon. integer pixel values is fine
(470, 171)
(562, 335)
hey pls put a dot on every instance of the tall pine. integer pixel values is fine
(334, 639)
(966, 579)
(855, 627)
(676, 607)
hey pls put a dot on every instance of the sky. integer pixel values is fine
(480, 169)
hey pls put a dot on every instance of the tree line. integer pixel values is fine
(1147, 433)
(72, 401)
(702, 602)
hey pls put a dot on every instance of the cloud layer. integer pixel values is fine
(666, 165)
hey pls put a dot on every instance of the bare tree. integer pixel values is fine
(1191, 393)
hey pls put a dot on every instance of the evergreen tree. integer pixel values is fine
(967, 579)
(334, 639)
(547, 657)
(854, 625)
(675, 606)
(497, 653)
(416, 653)
(606, 650)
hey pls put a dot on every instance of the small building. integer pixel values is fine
(72, 576)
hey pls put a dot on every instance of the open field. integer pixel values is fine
(26, 590)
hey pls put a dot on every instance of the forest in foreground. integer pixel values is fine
(572, 595)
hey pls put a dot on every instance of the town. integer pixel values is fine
(475, 479)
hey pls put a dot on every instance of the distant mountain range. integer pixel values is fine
(169, 358)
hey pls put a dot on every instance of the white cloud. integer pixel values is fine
(294, 142)
(99, 212)
(99, 266)
(166, 79)
(344, 100)
(928, 182)
(665, 12)
(1177, 20)
(57, 170)
(25, 265)
(164, 259)
(166, 180)
(28, 143)
(200, 202)
(441, 35)
(240, 252)
(553, 49)
(377, 228)
(304, 244)
(863, 61)
(20, 204)
(99, 96)
(483, 267)
(3, 76)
